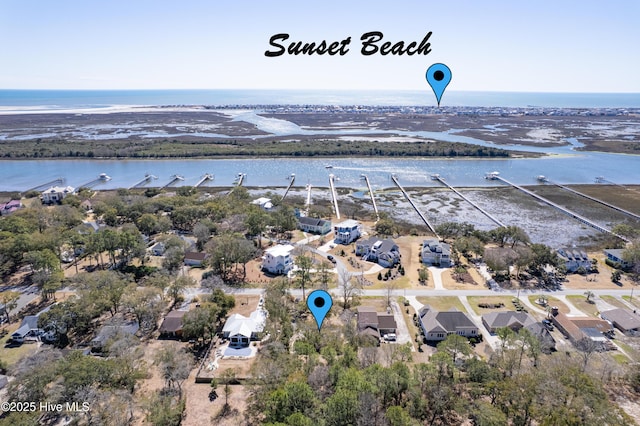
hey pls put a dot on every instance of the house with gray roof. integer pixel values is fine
(385, 252)
(375, 324)
(517, 321)
(623, 319)
(314, 225)
(28, 329)
(436, 253)
(113, 330)
(512, 319)
(616, 257)
(436, 326)
(574, 259)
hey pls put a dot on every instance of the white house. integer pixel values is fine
(313, 225)
(28, 329)
(263, 202)
(56, 194)
(574, 259)
(347, 232)
(385, 252)
(240, 330)
(436, 253)
(278, 259)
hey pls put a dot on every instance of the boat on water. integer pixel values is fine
(328, 166)
(104, 177)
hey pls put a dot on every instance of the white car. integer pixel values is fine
(391, 337)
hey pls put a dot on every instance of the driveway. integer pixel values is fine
(402, 331)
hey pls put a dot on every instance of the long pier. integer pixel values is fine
(174, 179)
(424, 219)
(308, 202)
(240, 179)
(484, 212)
(147, 178)
(203, 179)
(292, 179)
(495, 176)
(373, 199)
(46, 185)
(333, 195)
(589, 197)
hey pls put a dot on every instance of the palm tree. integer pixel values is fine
(589, 295)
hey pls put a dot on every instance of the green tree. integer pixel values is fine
(9, 301)
(456, 346)
(303, 272)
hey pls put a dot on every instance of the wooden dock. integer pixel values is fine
(589, 197)
(484, 212)
(46, 185)
(373, 199)
(424, 219)
(207, 177)
(147, 178)
(292, 179)
(582, 219)
(334, 195)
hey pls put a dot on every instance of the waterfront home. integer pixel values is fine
(278, 259)
(313, 225)
(574, 259)
(56, 194)
(385, 252)
(436, 325)
(616, 258)
(264, 203)
(436, 253)
(347, 232)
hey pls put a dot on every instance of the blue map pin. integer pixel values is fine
(438, 77)
(319, 303)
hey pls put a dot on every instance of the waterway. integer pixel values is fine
(562, 164)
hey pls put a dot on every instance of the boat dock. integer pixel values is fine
(333, 195)
(147, 178)
(239, 179)
(589, 197)
(102, 178)
(424, 219)
(46, 185)
(373, 200)
(496, 176)
(174, 179)
(308, 202)
(292, 179)
(484, 212)
(207, 177)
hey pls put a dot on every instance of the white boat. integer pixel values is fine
(104, 177)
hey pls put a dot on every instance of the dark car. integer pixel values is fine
(331, 259)
(547, 324)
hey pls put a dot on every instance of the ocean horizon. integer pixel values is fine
(28, 100)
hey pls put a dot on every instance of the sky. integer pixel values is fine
(505, 45)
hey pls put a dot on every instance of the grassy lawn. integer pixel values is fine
(628, 349)
(475, 301)
(562, 307)
(581, 303)
(379, 303)
(15, 354)
(634, 301)
(442, 303)
(614, 301)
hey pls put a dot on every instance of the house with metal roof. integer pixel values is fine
(574, 259)
(278, 259)
(240, 330)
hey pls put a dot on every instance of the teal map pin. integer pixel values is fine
(438, 77)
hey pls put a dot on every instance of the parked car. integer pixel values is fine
(331, 259)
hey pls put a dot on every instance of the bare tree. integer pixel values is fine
(349, 290)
